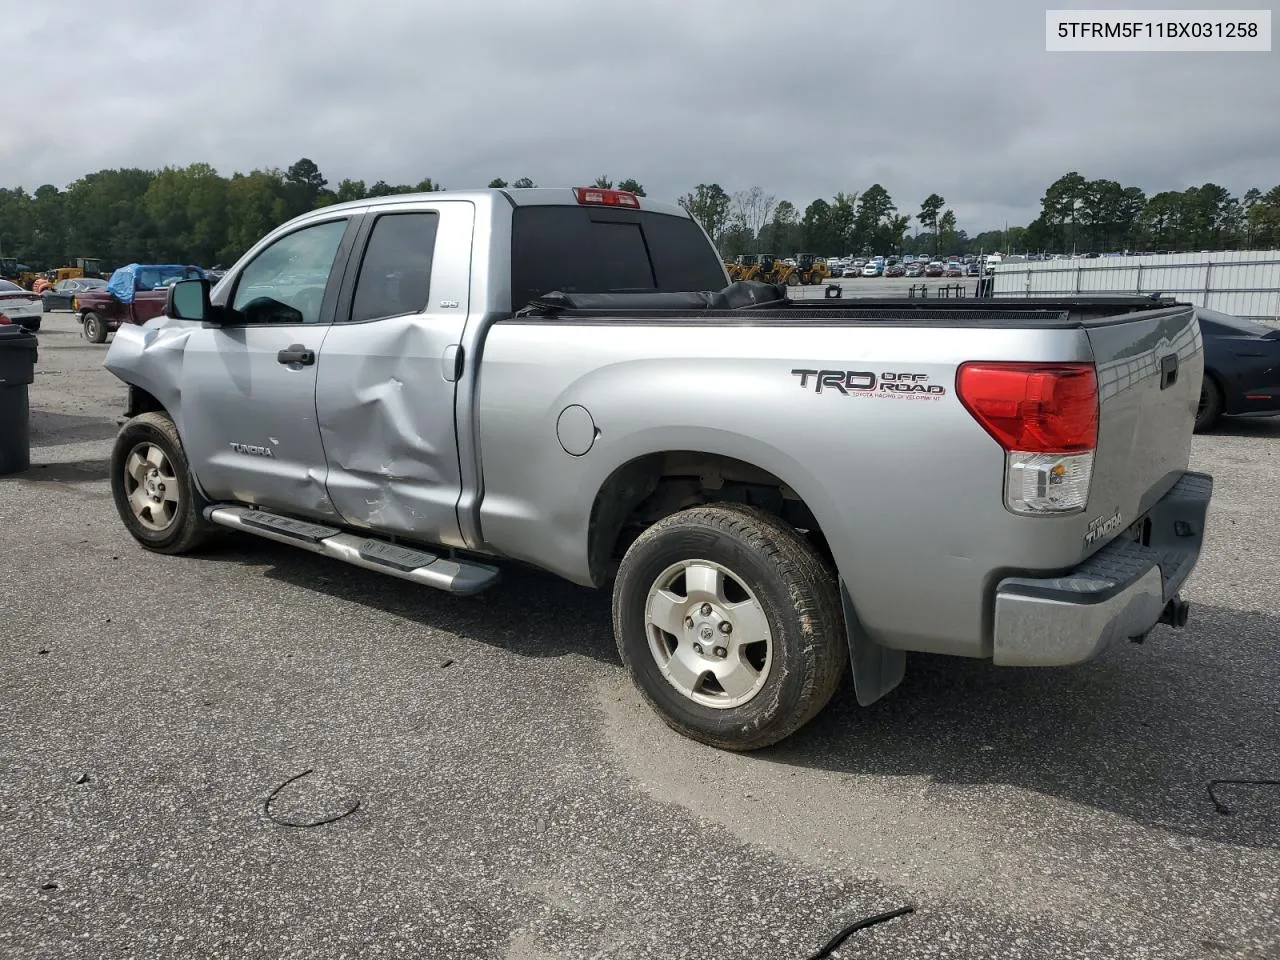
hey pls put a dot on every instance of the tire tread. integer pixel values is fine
(811, 586)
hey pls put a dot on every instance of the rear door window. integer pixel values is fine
(395, 273)
(586, 250)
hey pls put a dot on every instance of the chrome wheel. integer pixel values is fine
(151, 486)
(708, 634)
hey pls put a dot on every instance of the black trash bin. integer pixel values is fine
(17, 370)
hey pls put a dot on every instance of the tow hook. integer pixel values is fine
(1175, 613)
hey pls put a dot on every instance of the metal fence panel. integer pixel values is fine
(1241, 282)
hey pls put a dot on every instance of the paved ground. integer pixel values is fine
(522, 803)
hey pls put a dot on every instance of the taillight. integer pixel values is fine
(75, 304)
(598, 196)
(1045, 416)
(4, 320)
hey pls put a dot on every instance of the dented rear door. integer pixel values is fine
(388, 372)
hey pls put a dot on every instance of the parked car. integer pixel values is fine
(873, 269)
(915, 269)
(934, 269)
(21, 306)
(60, 295)
(137, 292)
(1241, 368)
(971, 269)
(954, 269)
(852, 271)
(469, 393)
(895, 270)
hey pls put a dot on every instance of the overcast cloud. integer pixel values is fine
(802, 99)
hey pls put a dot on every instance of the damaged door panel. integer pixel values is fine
(385, 400)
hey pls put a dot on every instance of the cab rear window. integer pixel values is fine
(589, 250)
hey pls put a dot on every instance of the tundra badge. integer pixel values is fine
(1100, 527)
(252, 450)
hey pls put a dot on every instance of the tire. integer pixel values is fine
(95, 331)
(770, 574)
(793, 279)
(164, 478)
(1210, 407)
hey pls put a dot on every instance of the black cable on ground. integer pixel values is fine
(852, 928)
(266, 807)
(1220, 806)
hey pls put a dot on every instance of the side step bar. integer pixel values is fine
(463, 577)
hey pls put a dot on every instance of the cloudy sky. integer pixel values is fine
(802, 99)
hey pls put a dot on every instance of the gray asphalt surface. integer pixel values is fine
(522, 802)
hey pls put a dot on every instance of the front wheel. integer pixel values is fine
(95, 329)
(152, 486)
(793, 279)
(730, 624)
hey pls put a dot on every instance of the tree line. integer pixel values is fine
(1076, 215)
(193, 214)
(179, 214)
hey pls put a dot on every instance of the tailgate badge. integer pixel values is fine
(1099, 527)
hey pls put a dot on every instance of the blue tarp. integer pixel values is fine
(148, 276)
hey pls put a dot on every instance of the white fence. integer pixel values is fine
(1243, 283)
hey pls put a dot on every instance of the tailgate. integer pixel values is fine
(1150, 367)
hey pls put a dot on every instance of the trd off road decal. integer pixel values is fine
(864, 383)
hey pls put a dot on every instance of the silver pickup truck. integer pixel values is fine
(779, 492)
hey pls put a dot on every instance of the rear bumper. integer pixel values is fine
(1119, 593)
(1257, 400)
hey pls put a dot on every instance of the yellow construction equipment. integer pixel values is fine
(811, 269)
(746, 267)
(84, 267)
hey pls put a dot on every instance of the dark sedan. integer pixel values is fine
(60, 295)
(895, 270)
(1241, 368)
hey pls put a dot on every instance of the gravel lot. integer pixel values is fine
(517, 800)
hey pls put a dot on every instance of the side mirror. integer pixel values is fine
(188, 300)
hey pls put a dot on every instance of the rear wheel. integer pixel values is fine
(793, 279)
(730, 624)
(1209, 409)
(152, 487)
(95, 330)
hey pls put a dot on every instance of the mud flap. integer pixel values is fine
(876, 670)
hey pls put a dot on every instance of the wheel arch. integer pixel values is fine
(654, 485)
(1214, 375)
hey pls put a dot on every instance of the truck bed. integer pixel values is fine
(1040, 313)
(909, 491)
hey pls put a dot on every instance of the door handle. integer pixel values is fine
(296, 353)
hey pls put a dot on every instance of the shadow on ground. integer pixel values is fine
(1139, 732)
(1248, 427)
(50, 429)
(530, 613)
(72, 471)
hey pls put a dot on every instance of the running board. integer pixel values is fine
(463, 577)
